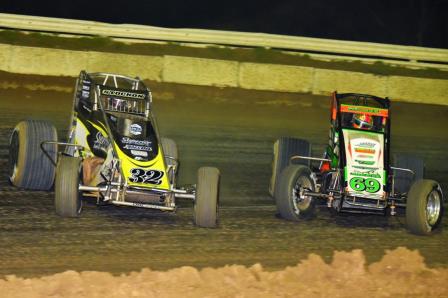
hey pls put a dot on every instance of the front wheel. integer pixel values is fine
(290, 195)
(67, 195)
(424, 207)
(207, 198)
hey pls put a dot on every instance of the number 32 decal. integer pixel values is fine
(149, 176)
(360, 184)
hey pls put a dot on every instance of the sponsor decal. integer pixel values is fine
(365, 168)
(365, 162)
(119, 93)
(367, 144)
(146, 176)
(135, 129)
(365, 150)
(370, 174)
(132, 144)
(139, 153)
(365, 110)
(101, 142)
(87, 108)
(134, 147)
(365, 156)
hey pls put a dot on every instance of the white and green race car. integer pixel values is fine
(355, 174)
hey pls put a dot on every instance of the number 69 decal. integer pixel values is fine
(143, 176)
(360, 184)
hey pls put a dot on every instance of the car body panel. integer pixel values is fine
(364, 171)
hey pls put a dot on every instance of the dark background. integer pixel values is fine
(405, 22)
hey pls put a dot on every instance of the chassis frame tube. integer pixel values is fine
(179, 193)
(54, 162)
(142, 205)
(309, 158)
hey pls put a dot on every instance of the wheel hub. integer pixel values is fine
(433, 207)
(300, 200)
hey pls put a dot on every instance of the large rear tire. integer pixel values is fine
(424, 207)
(207, 198)
(289, 198)
(29, 167)
(403, 180)
(67, 194)
(284, 149)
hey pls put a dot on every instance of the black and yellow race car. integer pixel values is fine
(113, 153)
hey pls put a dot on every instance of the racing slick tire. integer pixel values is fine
(292, 180)
(67, 195)
(424, 207)
(207, 198)
(403, 180)
(29, 167)
(284, 148)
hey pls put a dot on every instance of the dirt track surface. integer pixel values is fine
(400, 273)
(217, 130)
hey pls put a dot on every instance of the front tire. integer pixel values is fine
(424, 207)
(207, 198)
(29, 167)
(289, 198)
(67, 195)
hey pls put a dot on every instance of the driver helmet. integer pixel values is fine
(362, 121)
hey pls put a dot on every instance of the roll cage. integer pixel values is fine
(99, 90)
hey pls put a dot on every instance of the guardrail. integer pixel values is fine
(303, 44)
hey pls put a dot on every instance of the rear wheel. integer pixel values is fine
(402, 179)
(284, 149)
(207, 198)
(171, 154)
(290, 199)
(67, 194)
(424, 207)
(29, 167)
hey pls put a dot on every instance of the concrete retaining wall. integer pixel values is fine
(198, 71)
(221, 73)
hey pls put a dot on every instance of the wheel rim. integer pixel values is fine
(301, 201)
(13, 154)
(80, 171)
(433, 207)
